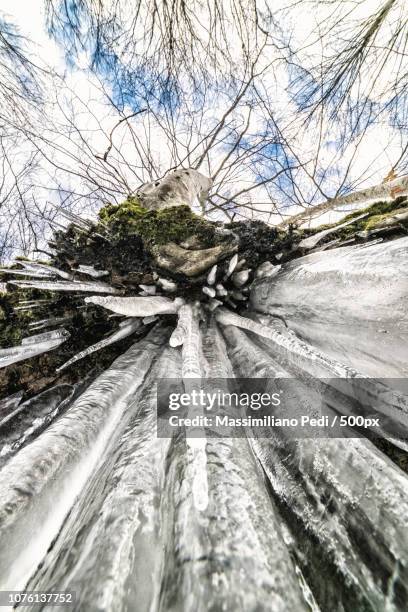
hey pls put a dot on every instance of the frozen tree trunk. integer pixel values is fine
(182, 187)
(387, 190)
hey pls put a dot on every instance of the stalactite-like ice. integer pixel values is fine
(240, 278)
(137, 306)
(212, 275)
(19, 272)
(31, 418)
(193, 368)
(77, 286)
(291, 343)
(9, 404)
(231, 266)
(346, 503)
(32, 346)
(126, 328)
(90, 271)
(52, 321)
(210, 291)
(40, 484)
(167, 285)
(47, 269)
(149, 289)
(83, 224)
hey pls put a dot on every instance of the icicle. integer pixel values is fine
(90, 270)
(231, 266)
(166, 284)
(210, 291)
(82, 224)
(44, 337)
(367, 244)
(178, 335)
(3, 287)
(237, 295)
(240, 278)
(66, 286)
(36, 325)
(36, 270)
(187, 323)
(137, 306)
(148, 320)
(24, 273)
(188, 333)
(267, 269)
(9, 404)
(213, 304)
(127, 328)
(57, 225)
(31, 302)
(38, 304)
(291, 343)
(221, 291)
(148, 289)
(32, 346)
(47, 270)
(212, 275)
(241, 263)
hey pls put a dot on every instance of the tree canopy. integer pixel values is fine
(283, 104)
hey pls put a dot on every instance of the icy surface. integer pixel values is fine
(350, 303)
(65, 286)
(126, 328)
(137, 306)
(93, 501)
(32, 346)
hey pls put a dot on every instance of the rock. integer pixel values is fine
(174, 258)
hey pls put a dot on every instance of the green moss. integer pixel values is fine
(376, 219)
(373, 214)
(174, 224)
(378, 208)
(129, 210)
(14, 323)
